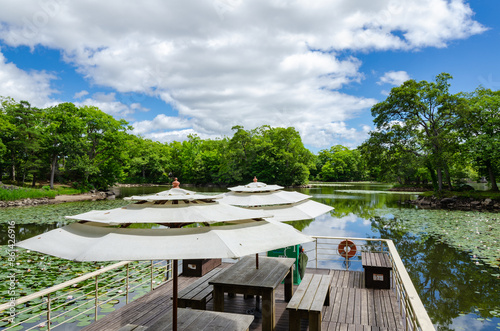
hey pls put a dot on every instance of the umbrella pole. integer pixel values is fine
(174, 309)
(257, 261)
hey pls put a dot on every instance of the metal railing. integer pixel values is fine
(323, 253)
(85, 298)
(88, 294)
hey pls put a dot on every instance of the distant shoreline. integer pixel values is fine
(58, 199)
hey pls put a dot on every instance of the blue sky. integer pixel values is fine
(189, 67)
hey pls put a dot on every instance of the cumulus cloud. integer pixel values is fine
(80, 94)
(168, 136)
(107, 103)
(32, 86)
(226, 62)
(160, 123)
(395, 78)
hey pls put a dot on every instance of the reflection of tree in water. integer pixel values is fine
(300, 225)
(363, 206)
(448, 280)
(25, 231)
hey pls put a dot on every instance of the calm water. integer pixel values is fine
(459, 292)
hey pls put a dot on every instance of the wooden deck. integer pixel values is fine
(353, 307)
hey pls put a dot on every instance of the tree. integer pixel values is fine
(425, 112)
(479, 127)
(62, 131)
(274, 155)
(146, 161)
(393, 155)
(22, 141)
(100, 158)
(340, 164)
(281, 157)
(240, 154)
(7, 129)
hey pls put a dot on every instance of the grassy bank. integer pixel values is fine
(19, 193)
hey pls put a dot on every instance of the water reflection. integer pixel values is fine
(25, 231)
(450, 284)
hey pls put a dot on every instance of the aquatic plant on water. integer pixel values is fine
(473, 232)
(50, 214)
(35, 271)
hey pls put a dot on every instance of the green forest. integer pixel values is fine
(424, 135)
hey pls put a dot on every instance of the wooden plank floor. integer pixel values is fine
(352, 307)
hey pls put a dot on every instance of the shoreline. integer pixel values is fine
(457, 203)
(90, 196)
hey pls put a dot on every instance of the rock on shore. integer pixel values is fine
(457, 203)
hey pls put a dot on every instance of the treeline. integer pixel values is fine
(423, 135)
(426, 134)
(87, 148)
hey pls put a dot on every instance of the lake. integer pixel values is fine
(451, 256)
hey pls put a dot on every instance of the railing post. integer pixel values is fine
(167, 270)
(127, 283)
(346, 256)
(151, 275)
(316, 253)
(48, 312)
(96, 297)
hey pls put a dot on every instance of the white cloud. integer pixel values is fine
(168, 136)
(160, 123)
(80, 94)
(328, 225)
(107, 103)
(395, 78)
(32, 86)
(227, 62)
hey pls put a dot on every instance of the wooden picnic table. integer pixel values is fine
(244, 278)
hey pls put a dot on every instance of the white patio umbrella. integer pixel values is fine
(94, 240)
(283, 205)
(184, 207)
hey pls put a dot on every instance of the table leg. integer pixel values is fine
(218, 296)
(289, 285)
(268, 311)
(294, 321)
(315, 321)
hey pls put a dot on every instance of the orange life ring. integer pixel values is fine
(347, 248)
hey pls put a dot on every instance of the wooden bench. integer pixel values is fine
(196, 294)
(203, 320)
(312, 294)
(377, 270)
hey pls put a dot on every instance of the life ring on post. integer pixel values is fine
(347, 248)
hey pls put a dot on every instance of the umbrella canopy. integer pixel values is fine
(93, 242)
(96, 241)
(175, 193)
(256, 186)
(303, 210)
(283, 205)
(175, 206)
(265, 198)
(181, 212)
